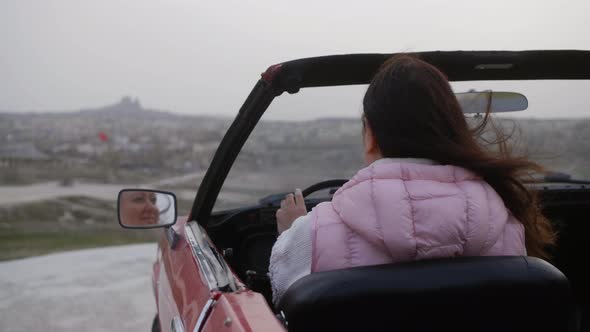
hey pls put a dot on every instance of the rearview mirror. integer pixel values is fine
(474, 102)
(144, 208)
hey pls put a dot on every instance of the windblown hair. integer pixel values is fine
(413, 112)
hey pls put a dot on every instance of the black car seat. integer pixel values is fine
(460, 294)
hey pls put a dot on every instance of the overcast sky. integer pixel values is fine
(203, 57)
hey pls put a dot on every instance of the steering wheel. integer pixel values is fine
(275, 199)
(323, 185)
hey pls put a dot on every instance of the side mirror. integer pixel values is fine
(145, 208)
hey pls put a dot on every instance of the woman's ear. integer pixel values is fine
(372, 151)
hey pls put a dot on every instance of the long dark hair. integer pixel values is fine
(413, 112)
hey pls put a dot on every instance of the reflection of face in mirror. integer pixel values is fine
(139, 208)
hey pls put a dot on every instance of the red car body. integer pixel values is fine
(181, 291)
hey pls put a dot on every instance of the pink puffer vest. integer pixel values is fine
(395, 211)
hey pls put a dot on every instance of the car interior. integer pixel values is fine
(246, 236)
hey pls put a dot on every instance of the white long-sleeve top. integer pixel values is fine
(291, 256)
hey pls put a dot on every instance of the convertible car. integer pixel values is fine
(210, 273)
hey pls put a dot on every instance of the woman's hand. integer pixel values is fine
(292, 207)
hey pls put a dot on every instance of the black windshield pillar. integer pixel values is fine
(234, 139)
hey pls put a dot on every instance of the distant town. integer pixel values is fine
(125, 142)
(114, 143)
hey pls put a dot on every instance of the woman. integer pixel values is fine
(430, 190)
(138, 208)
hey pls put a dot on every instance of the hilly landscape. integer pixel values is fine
(60, 172)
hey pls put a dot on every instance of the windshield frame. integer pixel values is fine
(354, 69)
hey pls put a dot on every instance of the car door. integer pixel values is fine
(183, 290)
(199, 292)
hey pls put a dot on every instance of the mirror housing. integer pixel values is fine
(146, 208)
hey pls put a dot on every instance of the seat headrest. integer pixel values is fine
(456, 294)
